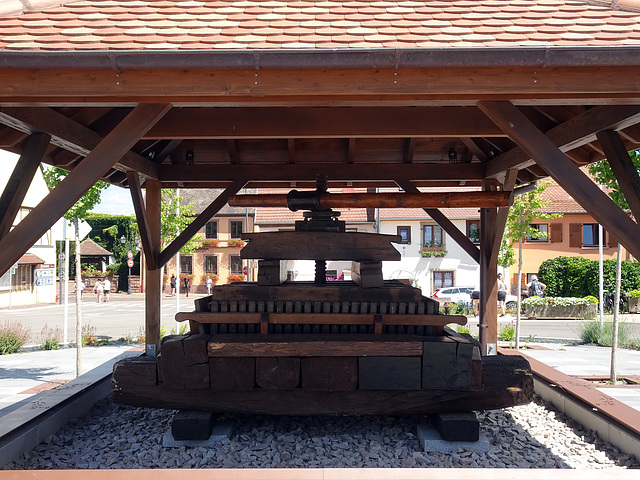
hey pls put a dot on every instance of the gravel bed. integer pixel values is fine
(114, 436)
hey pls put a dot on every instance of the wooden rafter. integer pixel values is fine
(564, 172)
(79, 180)
(199, 222)
(623, 168)
(69, 135)
(571, 134)
(17, 186)
(143, 222)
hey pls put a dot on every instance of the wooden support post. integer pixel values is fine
(17, 186)
(622, 167)
(80, 179)
(143, 222)
(528, 137)
(154, 275)
(488, 283)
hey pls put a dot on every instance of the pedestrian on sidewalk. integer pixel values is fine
(502, 294)
(81, 288)
(535, 287)
(209, 283)
(475, 298)
(106, 288)
(173, 285)
(99, 289)
(186, 284)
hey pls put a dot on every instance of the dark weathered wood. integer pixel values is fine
(153, 286)
(389, 373)
(79, 180)
(622, 167)
(367, 274)
(192, 425)
(565, 172)
(277, 373)
(272, 272)
(488, 334)
(135, 371)
(236, 345)
(232, 374)
(321, 318)
(457, 426)
(18, 184)
(199, 222)
(195, 349)
(143, 222)
(507, 382)
(329, 374)
(383, 200)
(320, 246)
(172, 353)
(501, 219)
(195, 376)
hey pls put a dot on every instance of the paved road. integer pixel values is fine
(123, 316)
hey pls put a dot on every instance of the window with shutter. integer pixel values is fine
(555, 235)
(575, 235)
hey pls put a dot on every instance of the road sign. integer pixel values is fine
(130, 263)
(45, 272)
(244, 270)
(45, 281)
(130, 254)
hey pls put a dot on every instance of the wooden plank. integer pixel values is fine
(172, 353)
(232, 373)
(329, 374)
(199, 222)
(136, 371)
(277, 373)
(18, 184)
(321, 318)
(143, 223)
(367, 274)
(79, 180)
(507, 382)
(565, 172)
(313, 346)
(389, 373)
(320, 246)
(195, 349)
(622, 167)
(488, 333)
(153, 286)
(196, 376)
(440, 366)
(329, 122)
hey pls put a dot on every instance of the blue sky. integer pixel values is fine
(116, 201)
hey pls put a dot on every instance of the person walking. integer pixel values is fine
(99, 289)
(186, 284)
(475, 298)
(107, 288)
(173, 285)
(535, 287)
(502, 294)
(209, 283)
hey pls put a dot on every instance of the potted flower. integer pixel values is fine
(634, 301)
(235, 242)
(214, 277)
(210, 242)
(236, 277)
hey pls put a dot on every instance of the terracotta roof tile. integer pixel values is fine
(252, 24)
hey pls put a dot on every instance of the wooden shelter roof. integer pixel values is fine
(233, 94)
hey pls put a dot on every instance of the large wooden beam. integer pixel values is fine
(342, 171)
(199, 222)
(488, 326)
(150, 252)
(87, 173)
(69, 135)
(565, 172)
(623, 168)
(18, 185)
(332, 122)
(454, 232)
(153, 312)
(573, 133)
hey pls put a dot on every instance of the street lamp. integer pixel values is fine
(127, 243)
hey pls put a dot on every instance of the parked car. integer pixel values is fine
(457, 294)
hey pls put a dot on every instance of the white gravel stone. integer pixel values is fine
(114, 436)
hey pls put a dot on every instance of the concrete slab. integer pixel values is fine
(221, 430)
(431, 441)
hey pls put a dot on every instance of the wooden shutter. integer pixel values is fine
(613, 243)
(555, 235)
(575, 235)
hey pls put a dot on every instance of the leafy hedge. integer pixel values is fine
(578, 277)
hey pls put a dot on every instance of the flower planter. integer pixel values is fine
(561, 312)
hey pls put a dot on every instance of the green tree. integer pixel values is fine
(174, 218)
(53, 176)
(603, 174)
(526, 209)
